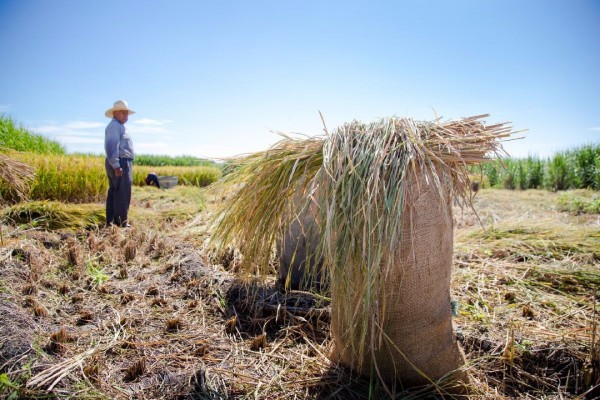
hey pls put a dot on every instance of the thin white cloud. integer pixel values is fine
(153, 148)
(151, 122)
(148, 130)
(88, 136)
(595, 128)
(75, 128)
(74, 134)
(47, 129)
(66, 139)
(147, 126)
(76, 125)
(5, 107)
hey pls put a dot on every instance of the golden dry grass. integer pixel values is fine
(356, 178)
(15, 176)
(177, 325)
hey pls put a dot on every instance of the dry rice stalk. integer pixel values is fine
(135, 370)
(73, 253)
(173, 325)
(84, 318)
(231, 324)
(40, 311)
(16, 175)
(57, 341)
(51, 376)
(259, 342)
(357, 175)
(92, 371)
(30, 289)
(130, 251)
(253, 217)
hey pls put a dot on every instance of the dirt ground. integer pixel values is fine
(150, 312)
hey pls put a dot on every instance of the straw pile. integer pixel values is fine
(365, 181)
(16, 176)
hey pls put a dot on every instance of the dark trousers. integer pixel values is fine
(119, 192)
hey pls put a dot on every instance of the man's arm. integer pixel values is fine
(111, 146)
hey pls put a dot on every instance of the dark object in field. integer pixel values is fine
(152, 180)
(164, 182)
(300, 263)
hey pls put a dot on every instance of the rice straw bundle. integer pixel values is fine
(15, 175)
(252, 219)
(363, 187)
(367, 181)
(15, 178)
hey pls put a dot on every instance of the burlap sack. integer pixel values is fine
(418, 345)
(297, 255)
(300, 265)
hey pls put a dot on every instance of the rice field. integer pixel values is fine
(577, 168)
(154, 160)
(157, 311)
(154, 312)
(82, 178)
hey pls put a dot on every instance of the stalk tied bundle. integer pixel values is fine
(252, 219)
(16, 176)
(363, 188)
(359, 177)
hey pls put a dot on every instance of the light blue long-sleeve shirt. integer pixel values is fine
(117, 143)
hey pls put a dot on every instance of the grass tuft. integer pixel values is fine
(130, 252)
(579, 202)
(173, 325)
(15, 178)
(135, 370)
(55, 215)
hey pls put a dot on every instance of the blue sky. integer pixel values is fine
(217, 78)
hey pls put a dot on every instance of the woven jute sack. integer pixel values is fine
(417, 345)
(300, 264)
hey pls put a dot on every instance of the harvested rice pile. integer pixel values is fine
(375, 187)
(16, 175)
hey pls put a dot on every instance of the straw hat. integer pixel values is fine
(119, 105)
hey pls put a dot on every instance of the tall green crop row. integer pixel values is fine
(558, 174)
(535, 172)
(14, 136)
(575, 169)
(152, 160)
(492, 171)
(578, 168)
(586, 167)
(509, 174)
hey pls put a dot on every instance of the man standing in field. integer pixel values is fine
(119, 159)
